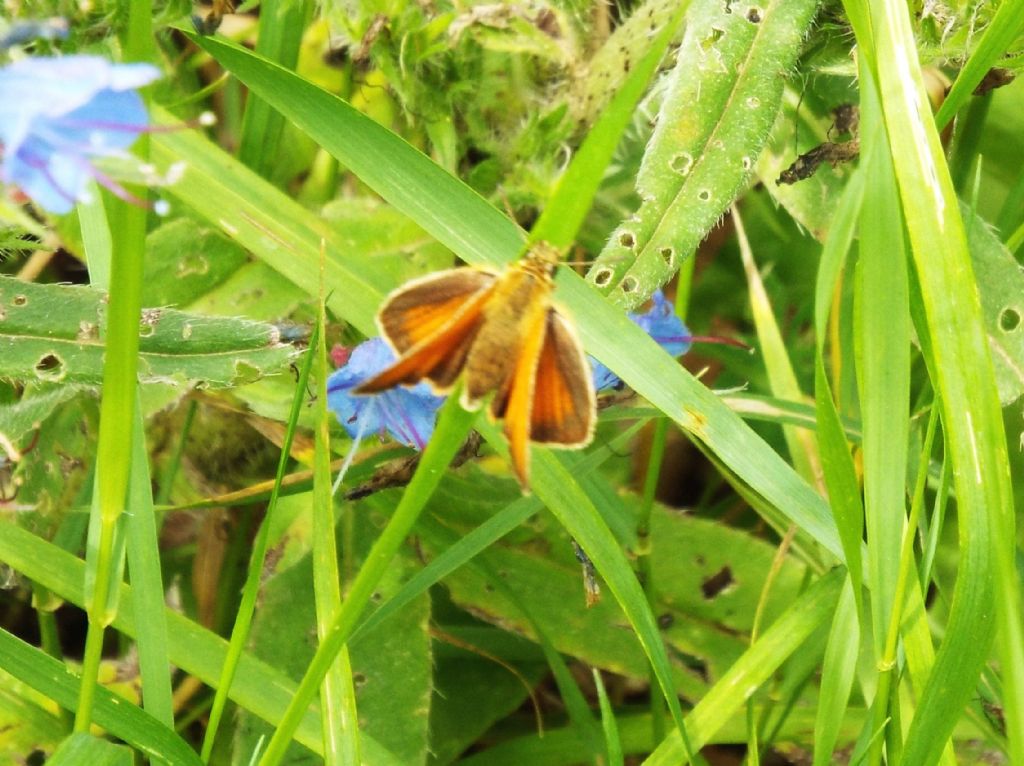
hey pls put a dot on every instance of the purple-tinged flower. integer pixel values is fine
(662, 324)
(58, 115)
(408, 414)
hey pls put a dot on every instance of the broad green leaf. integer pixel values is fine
(811, 201)
(1001, 285)
(722, 100)
(52, 333)
(185, 260)
(19, 420)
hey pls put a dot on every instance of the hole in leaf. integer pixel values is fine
(704, 195)
(244, 372)
(668, 254)
(626, 239)
(682, 163)
(20, 300)
(602, 277)
(718, 582)
(50, 367)
(1009, 320)
(629, 284)
(713, 37)
(754, 15)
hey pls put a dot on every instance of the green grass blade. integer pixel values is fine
(452, 426)
(282, 23)
(561, 219)
(337, 695)
(756, 666)
(611, 729)
(1003, 28)
(837, 674)
(141, 533)
(250, 590)
(883, 366)
(803, 449)
(124, 720)
(838, 469)
(972, 420)
(452, 213)
(120, 364)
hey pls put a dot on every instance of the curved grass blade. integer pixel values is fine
(257, 686)
(57, 681)
(1003, 28)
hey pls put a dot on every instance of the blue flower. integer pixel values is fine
(57, 115)
(662, 324)
(408, 414)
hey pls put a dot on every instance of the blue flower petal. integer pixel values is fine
(662, 324)
(57, 114)
(408, 414)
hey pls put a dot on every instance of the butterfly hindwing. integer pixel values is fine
(515, 398)
(563, 393)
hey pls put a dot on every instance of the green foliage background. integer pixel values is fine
(804, 553)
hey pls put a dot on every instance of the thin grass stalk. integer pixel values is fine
(250, 591)
(116, 423)
(338, 714)
(645, 566)
(452, 426)
(887, 663)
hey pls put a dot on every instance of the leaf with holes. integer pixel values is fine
(722, 100)
(53, 333)
(1001, 284)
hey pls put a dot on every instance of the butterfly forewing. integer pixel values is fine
(420, 309)
(563, 394)
(438, 357)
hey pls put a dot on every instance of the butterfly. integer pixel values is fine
(503, 335)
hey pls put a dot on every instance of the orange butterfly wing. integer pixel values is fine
(564, 403)
(420, 308)
(431, 324)
(514, 401)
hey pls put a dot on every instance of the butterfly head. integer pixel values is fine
(542, 258)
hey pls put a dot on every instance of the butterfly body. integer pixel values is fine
(502, 333)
